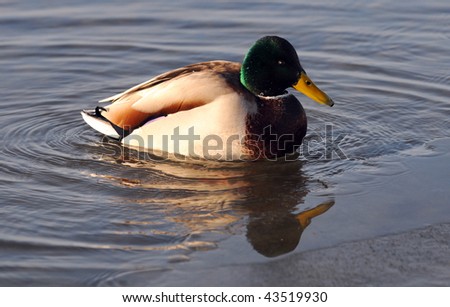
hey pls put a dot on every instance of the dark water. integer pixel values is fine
(75, 210)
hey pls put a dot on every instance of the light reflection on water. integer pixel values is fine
(75, 211)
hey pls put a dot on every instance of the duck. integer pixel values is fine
(216, 110)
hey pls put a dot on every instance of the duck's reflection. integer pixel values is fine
(273, 235)
(260, 199)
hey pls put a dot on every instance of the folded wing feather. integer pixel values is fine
(182, 89)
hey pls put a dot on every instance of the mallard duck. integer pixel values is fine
(217, 110)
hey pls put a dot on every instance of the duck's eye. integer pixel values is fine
(281, 62)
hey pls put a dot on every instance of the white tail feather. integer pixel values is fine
(100, 125)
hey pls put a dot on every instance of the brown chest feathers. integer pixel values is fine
(277, 129)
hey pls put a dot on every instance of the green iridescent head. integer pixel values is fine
(272, 65)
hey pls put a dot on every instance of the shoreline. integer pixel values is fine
(413, 258)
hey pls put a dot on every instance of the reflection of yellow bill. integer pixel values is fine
(305, 86)
(305, 217)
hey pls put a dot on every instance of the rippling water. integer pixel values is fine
(78, 210)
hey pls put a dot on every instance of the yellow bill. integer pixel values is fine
(305, 86)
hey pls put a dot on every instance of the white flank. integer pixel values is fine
(212, 131)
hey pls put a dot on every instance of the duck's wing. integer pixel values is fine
(177, 90)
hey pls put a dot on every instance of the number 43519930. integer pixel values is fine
(296, 297)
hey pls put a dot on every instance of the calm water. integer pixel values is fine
(75, 210)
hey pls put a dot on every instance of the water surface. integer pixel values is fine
(78, 210)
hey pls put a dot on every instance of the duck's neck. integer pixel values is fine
(258, 81)
(257, 77)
